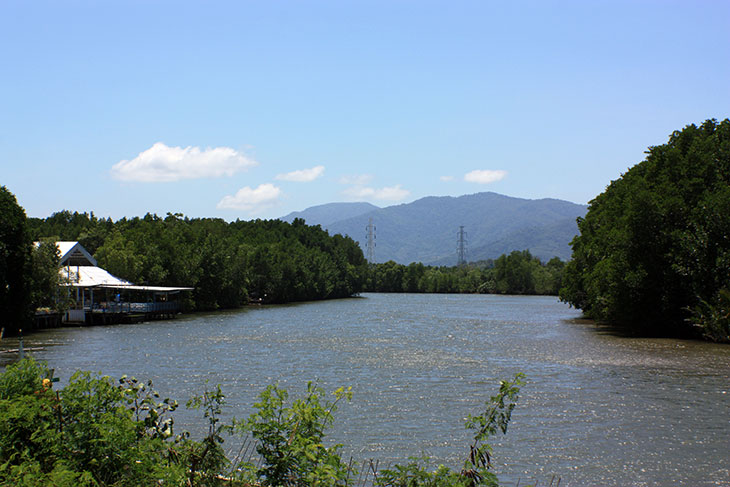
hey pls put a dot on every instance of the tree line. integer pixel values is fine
(228, 264)
(517, 273)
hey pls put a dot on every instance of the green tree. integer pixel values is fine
(93, 432)
(120, 257)
(225, 262)
(656, 243)
(713, 319)
(45, 279)
(15, 249)
(514, 273)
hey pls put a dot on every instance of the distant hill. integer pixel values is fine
(325, 214)
(425, 230)
(543, 241)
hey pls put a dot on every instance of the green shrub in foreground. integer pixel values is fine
(100, 432)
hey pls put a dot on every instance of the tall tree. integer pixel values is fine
(45, 280)
(14, 261)
(657, 242)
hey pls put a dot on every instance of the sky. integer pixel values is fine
(248, 109)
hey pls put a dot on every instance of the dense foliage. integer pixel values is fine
(91, 433)
(45, 278)
(14, 257)
(29, 277)
(290, 439)
(99, 432)
(516, 273)
(656, 243)
(227, 263)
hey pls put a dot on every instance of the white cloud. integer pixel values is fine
(359, 192)
(446, 178)
(247, 199)
(389, 193)
(161, 163)
(357, 180)
(484, 176)
(303, 175)
(392, 193)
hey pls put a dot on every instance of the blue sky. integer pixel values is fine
(255, 109)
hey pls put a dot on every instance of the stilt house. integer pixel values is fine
(100, 297)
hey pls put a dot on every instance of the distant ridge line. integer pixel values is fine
(423, 230)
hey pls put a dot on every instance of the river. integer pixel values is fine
(597, 408)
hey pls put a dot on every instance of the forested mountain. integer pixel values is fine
(541, 240)
(425, 230)
(331, 212)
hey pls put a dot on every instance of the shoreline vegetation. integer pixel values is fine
(653, 253)
(279, 271)
(229, 265)
(517, 273)
(96, 431)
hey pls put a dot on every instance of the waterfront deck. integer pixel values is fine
(109, 314)
(112, 313)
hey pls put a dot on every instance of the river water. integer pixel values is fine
(597, 408)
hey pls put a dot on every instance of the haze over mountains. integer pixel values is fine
(330, 213)
(426, 229)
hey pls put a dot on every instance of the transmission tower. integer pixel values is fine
(461, 246)
(370, 245)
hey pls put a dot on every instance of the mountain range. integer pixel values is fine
(426, 229)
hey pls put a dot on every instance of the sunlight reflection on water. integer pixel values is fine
(597, 409)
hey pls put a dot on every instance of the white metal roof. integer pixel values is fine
(90, 276)
(93, 276)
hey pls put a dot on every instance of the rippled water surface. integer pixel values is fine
(597, 409)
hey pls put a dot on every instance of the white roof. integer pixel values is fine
(94, 276)
(90, 276)
(75, 249)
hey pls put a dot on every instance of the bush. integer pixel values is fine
(713, 319)
(92, 432)
(290, 439)
(99, 432)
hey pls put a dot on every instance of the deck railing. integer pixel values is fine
(113, 307)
